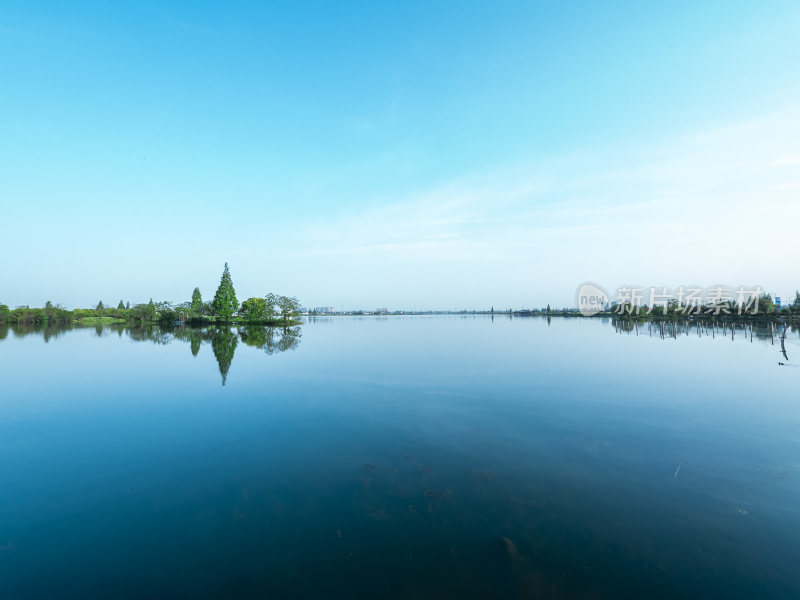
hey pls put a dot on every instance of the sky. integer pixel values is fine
(408, 155)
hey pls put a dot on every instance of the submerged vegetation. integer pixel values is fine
(272, 310)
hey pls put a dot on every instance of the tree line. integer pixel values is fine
(272, 309)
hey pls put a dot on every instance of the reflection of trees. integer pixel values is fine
(288, 340)
(223, 343)
(196, 341)
(51, 331)
(194, 335)
(271, 339)
(255, 336)
(48, 331)
(732, 329)
(150, 332)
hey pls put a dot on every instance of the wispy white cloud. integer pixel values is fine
(701, 206)
(787, 161)
(713, 174)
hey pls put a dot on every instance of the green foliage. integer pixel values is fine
(143, 312)
(99, 321)
(289, 308)
(165, 312)
(50, 314)
(83, 313)
(116, 313)
(271, 305)
(56, 313)
(272, 309)
(766, 305)
(254, 309)
(196, 307)
(225, 304)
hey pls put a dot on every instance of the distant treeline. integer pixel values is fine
(272, 309)
(762, 308)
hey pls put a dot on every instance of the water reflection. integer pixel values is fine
(223, 343)
(410, 457)
(768, 332)
(223, 340)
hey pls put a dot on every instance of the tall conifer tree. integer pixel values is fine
(225, 303)
(197, 303)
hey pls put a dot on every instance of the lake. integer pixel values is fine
(400, 457)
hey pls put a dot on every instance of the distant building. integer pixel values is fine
(381, 311)
(324, 310)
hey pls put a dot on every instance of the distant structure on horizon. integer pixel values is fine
(381, 311)
(325, 310)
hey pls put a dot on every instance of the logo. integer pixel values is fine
(591, 299)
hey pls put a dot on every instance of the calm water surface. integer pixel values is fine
(408, 457)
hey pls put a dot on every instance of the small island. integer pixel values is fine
(272, 310)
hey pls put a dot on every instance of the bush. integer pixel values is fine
(254, 309)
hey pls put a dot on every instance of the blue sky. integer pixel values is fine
(409, 155)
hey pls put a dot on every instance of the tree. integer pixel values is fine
(254, 309)
(100, 308)
(166, 312)
(766, 305)
(196, 308)
(52, 313)
(121, 306)
(271, 301)
(144, 312)
(225, 303)
(289, 308)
